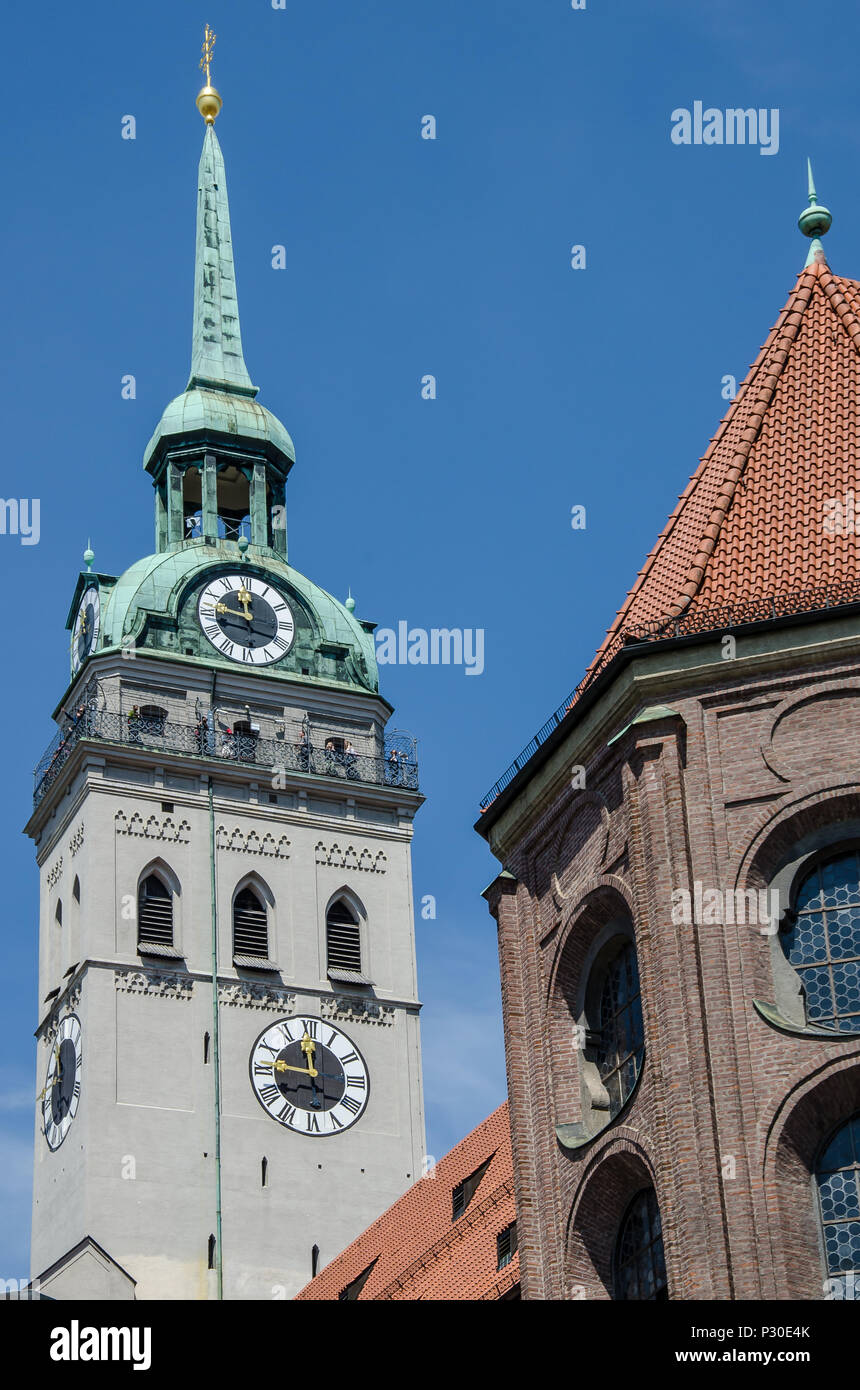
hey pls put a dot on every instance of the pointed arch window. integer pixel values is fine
(822, 942)
(343, 939)
(154, 913)
(640, 1265)
(250, 929)
(837, 1179)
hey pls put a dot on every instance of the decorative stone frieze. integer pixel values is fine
(351, 858)
(55, 873)
(66, 1005)
(153, 828)
(250, 995)
(252, 843)
(76, 840)
(154, 982)
(350, 1010)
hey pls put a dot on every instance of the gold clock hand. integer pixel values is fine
(285, 1066)
(234, 612)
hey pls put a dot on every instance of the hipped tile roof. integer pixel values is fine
(750, 523)
(420, 1252)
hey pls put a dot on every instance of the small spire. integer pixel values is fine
(89, 557)
(216, 349)
(209, 101)
(350, 603)
(814, 221)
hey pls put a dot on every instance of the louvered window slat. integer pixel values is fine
(154, 912)
(250, 926)
(343, 939)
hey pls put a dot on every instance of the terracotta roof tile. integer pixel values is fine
(419, 1251)
(750, 522)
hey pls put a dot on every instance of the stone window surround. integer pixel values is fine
(810, 849)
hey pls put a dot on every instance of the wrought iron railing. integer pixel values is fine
(695, 622)
(307, 754)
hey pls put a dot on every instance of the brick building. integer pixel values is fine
(678, 908)
(451, 1236)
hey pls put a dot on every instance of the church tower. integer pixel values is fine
(678, 904)
(228, 1054)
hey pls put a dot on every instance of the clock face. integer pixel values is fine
(62, 1082)
(309, 1076)
(86, 632)
(246, 619)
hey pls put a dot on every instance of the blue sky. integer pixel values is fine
(405, 257)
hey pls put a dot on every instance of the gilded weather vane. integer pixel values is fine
(208, 99)
(208, 49)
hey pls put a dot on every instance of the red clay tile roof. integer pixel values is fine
(750, 522)
(420, 1252)
(747, 540)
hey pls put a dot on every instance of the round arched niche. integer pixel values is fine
(808, 1116)
(599, 926)
(817, 733)
(614, 1179)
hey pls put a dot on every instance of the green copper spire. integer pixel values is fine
(216, 350)
(814, 221)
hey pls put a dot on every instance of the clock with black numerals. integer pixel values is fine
(309, 1076)
(62, 1089)
(247, 619)
(86, 630)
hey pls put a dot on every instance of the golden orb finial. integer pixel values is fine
(209, 101)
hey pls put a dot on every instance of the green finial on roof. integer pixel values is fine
(243, 544)
(216, 350)
(350, 603)
(814, 221)
(89, 557)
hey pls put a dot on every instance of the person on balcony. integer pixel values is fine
(134, 725)
(350, 758)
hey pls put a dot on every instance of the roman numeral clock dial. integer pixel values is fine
(62, 1090)
(309, 1076)
(247, 619)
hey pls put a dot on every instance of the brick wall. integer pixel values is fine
(747, 773)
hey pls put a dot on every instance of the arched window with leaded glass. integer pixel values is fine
(837, 1181)
(621, 1041)
(640, 1264)
(822, 941)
